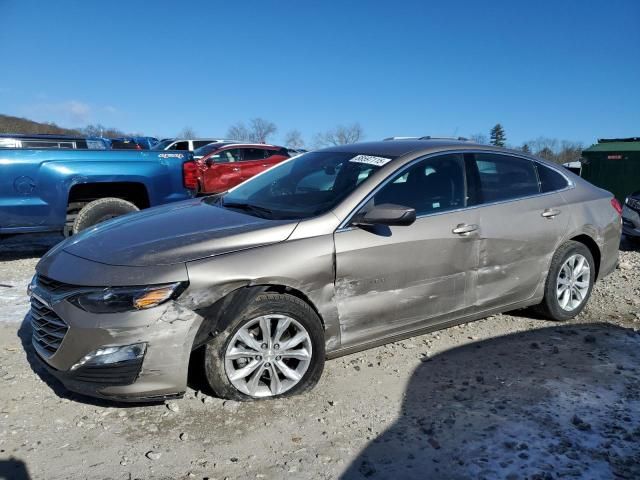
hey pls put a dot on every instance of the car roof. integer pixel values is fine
(398, 148)
(42, 136)
(252, 145)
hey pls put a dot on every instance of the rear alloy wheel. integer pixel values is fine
(572, 284)
(569, 282)
(274, 348)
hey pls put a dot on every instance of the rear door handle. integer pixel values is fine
(235, 169)
(550, 212)
(464, 229)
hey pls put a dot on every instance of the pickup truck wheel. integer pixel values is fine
(99, 211)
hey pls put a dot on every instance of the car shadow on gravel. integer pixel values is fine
(19, 247)
(555, 402)
(13, 469)
(24, 334)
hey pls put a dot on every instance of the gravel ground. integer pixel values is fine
(510, 396)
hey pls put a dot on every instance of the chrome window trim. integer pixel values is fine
(344, 225)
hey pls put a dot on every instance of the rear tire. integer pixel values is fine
(99, 211)
(274, 308)
(568, 285)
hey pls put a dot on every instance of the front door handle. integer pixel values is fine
(235, 169)
(464, 229)
(265, 164)
(550, 212)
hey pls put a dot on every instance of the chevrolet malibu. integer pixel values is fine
(325, 254)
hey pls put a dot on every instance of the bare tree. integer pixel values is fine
(239, 131)
(554, 150)
(258, 131)
(262, 129)
(293, 139)
(480, 138)
(340, 135)
(188, 133)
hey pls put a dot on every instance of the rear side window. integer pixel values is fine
(550, 180)
(200, 143)
(502, 177)
(255, 154)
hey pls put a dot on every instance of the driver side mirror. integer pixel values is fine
(386, 214)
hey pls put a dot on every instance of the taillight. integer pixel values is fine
(190, 175)
(616, 205)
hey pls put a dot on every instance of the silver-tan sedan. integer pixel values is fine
(328, 253)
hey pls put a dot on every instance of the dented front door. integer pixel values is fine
(391, 280)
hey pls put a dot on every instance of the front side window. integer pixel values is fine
(183, 146)
(432, 185)
(303, 187)
(502, 177)
(227, 156)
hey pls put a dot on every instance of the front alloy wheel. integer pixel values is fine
(273, 347)
(268, 355)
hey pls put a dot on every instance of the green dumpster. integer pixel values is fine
(613, 164)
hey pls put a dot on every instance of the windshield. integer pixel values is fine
(304, 186)
(207, 149)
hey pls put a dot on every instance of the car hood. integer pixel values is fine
(175, 233)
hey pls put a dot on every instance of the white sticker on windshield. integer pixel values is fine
(371, 160)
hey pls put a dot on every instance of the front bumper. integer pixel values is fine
(168, 331)
(630, 222)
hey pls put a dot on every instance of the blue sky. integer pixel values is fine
(563, 68)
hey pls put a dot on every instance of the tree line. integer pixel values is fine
(260, 130)
(552, 149)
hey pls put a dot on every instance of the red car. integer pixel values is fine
(225, 165)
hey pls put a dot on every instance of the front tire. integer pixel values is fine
(569, 282)
(273, 348)
(99, 211)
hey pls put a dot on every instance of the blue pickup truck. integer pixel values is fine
(43, 190)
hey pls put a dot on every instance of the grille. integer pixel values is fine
(54, 286)
(634, 203)
(48, 328)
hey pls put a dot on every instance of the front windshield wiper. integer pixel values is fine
(261, 211)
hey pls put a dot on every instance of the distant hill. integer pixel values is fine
(9, 124)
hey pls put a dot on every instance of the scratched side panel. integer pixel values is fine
(403, 277)
(305, 264)
(515, 248)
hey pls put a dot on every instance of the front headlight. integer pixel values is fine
(124, 299)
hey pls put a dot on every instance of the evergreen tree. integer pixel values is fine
(498, 137)
(526, 148)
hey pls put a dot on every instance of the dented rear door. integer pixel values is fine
(520, 229)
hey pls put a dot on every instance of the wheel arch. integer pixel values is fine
(216, 317)
(134, 192)
(593, 247)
